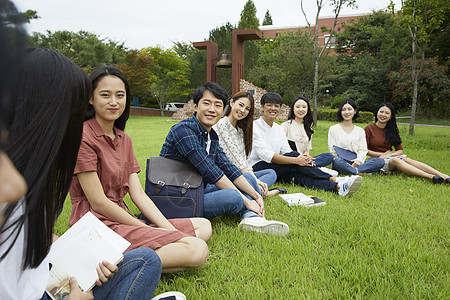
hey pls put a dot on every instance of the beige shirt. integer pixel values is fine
(296, 132)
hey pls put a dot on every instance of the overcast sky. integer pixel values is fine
(144, 23)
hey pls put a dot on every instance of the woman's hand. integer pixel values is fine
(310, 160)
(263, 187)
(105, 271)
(76, 293)
(386, 154)
(254, 205)
(356, 163)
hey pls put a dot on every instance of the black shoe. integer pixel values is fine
(282, 190)
(438, 179)
(447, 181)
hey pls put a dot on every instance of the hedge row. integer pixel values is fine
(330, 114)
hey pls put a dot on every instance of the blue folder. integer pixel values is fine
(345, 154)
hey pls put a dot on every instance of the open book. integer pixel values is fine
(79, 251)
(301, 199)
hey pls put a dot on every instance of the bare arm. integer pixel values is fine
(385, 154)
(287, 160)
(92, 187)
(145, 204)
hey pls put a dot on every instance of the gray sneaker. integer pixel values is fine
(262, 225)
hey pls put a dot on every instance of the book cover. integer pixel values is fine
(300, 199)
(79, 251)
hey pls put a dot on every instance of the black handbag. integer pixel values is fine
(175, 187)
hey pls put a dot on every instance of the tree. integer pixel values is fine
(337, 6)
(368, 48)
(30, 15)
(421, 18)
(197, 62)
(267, 19)
(84, 48)
(433, 87)
(169, 75)
(248, 17)
(286, 66)
(137, 68)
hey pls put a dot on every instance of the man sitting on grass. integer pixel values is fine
(271, 150)
(227, 191)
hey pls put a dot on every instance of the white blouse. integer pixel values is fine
(296, 132)
(232, 142)
(354, 141)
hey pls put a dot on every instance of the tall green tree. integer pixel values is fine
(421, 18)
(314, 36)
(137, 68)
(84, 48)
(267, 19)
(286, 66)
(248, 17)
(197, 62)
(169, 75)
(369, 48)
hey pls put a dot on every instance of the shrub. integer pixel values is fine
(330, 114)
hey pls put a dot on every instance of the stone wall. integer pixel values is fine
(188, 109)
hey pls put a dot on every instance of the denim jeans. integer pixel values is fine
(228, 201)
(137, 277)
(311, 177)
(369, 166)
(323, 160)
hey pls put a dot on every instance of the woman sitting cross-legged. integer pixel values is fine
(235, 132)
(352, 138)
(106, 171)
(383, 135)
(298, 129)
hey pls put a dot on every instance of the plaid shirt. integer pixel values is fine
(186, 141)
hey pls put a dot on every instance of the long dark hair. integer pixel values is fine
(307, 119)
(245, 124)
(97, 74)
(391, 133)
(51, 93)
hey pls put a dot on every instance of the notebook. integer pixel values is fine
(345, 154)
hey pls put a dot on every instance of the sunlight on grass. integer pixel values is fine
(389, 240)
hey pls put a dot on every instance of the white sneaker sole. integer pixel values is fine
(272, 227)
(355, 186)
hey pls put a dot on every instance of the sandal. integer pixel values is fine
(282, 190)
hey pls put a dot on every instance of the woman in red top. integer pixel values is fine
(383, 135)
(106, 171)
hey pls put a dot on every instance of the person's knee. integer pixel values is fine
(203, 228)
(395, 161)
(197, 251)
(379, 162)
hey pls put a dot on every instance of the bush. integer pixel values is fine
(330, 114)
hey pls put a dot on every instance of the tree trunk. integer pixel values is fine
(316, 87)
(414, 80)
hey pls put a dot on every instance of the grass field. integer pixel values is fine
(389, 240)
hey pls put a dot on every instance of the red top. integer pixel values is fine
(114, 162)
(375, 139)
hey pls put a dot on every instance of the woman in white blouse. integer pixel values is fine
(235, 132)
(298, 129)
(353, 138)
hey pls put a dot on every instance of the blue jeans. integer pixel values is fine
(369, 166)
(311, 177)
(323, 160)
(228, 201)
(137, 277)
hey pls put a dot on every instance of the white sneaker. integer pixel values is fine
(332, 172)
(349, 185)
(262, 225)
(171, 296)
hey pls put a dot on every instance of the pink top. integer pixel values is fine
(114, 162)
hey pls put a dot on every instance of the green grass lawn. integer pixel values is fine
(389, 240)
